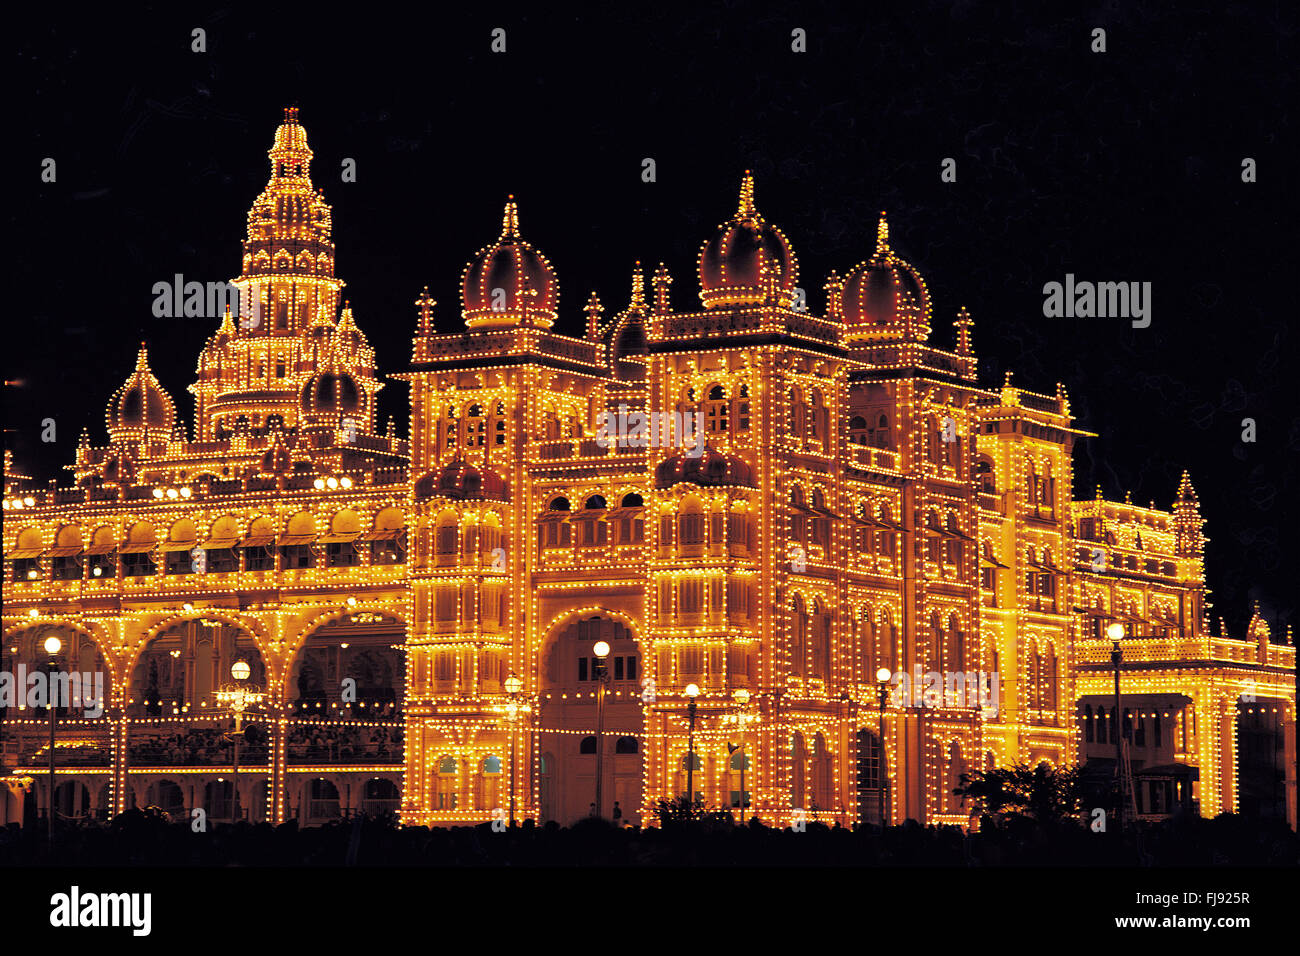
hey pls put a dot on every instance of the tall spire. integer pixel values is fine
(638, 289)
(882, 235)
(593, 310)
(964, 325)
(510, 220)
(747, 210)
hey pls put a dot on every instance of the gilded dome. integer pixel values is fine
(885, 298)
(331, 392)
(459, 480)
(509, 282)
(710, 468)
(745, 257)
(141, 405)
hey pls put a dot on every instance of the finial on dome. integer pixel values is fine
(638, 288)
(142, 358)
(747, 210)
(510, 221)
(1185, 490)
(594, 311)
(882, 235)
(227, 323)
(291, 115)
(964, 325)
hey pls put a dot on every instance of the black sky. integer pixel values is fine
(1117, 166)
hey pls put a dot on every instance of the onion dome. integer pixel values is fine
(461, 481)
(885, 298)
(748, 261)
(141, 406)
(330, 393)
(509, 283)
(711, 468)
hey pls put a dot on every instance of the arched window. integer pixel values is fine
(588, 745)
(741, 413)
(799, 636)
(957, 639)
(817, 418)
(625, 745)
(446, 540)
(882, 435)
(715, 410)
(821, 640)
(797, 413)
(858, 430)
(985, 474)
(798, 516)
(692, 527)
(1089, 731)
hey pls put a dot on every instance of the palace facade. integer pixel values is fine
(422, 615)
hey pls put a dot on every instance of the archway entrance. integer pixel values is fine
(570, 682)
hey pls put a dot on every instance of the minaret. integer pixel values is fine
(662, 280)
(1189, 541)
(638, 303)
(963, 326)
(593, 310)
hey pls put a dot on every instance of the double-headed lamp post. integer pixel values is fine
(239, 697)
(883, 677)
(692, 691)
(514, 709)
(1115, 632)
(52, 647)
(601, 650)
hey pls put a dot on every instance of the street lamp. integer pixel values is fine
(883, 677)
(601, 650)
(741, 719)
(513, 710)
(239, 697)
(692, 691)
(1115, 631)
(52, 647)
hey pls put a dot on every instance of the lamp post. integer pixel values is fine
(52, 647)
(692, 691)
(883, 677)
(239, 697)
(742, 719)
(514, 710)
(601, 650)
(1115, 632)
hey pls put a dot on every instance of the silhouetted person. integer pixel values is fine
(618, 812)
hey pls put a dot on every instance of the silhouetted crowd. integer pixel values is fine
(149, 837)
(344, 744)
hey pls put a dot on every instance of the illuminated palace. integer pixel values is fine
(533, 586)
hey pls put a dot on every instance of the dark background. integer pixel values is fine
(1122, 166)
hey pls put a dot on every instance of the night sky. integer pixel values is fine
(1121, 166)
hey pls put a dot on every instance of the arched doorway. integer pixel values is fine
(570, 683)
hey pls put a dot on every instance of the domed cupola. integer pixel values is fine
(749, 261)
(461, 481)
(885, 298)
(330, 393)
(710, 469)
(141, 409)
(509, 283)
